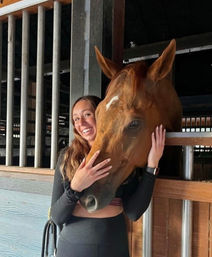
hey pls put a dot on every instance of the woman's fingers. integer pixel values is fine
(102, 171)
(92, 159)
(101, 164)
(82, 164)
(159, 139)
(102, 176)
(153, 139)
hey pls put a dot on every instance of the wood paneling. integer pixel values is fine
(206, 141)
(179, 189)
(31, 170)
(174, 228)
(210, 233)
(136, 238)
(201, 223)
(160, 220)
(167, 223)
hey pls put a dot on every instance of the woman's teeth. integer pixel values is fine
(86, 131)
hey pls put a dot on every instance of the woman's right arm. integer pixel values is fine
(63, 200)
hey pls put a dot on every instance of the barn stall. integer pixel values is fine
(178, 220)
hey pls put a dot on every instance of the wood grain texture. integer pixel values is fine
(174, 228)
(201, 229)
(160, 219)
(179, 189)
(210, 232)
(29, 170)
(206, 141)
(137, 238)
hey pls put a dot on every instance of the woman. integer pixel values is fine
(103, 232)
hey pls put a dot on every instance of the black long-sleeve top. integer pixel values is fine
(136, 193)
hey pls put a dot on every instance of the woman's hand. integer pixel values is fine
(87, 174)
(158, 143)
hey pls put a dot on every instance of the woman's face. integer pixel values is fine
(84, 120)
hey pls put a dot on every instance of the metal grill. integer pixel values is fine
(26, 137)
(198, 124)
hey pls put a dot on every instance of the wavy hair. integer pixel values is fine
(79, 148)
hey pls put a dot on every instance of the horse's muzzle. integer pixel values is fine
(91, 203)
(93, 199)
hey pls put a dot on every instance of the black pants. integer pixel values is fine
(94, 237)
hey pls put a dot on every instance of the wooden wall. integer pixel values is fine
(167, 220)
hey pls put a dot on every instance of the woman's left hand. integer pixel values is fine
(158, 143)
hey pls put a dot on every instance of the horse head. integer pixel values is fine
(138, 99)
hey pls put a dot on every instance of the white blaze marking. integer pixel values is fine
(115, 98)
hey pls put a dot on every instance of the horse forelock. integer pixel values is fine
(127, 83)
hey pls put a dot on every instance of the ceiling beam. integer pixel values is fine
(17, 6)
(186, 44)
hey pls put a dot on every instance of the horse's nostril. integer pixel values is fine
(91, 203)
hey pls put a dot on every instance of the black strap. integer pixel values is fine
(50, 227)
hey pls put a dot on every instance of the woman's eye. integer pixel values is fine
(87, 114)
(76, 119)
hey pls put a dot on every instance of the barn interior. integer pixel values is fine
(145, 31)
(148, 28)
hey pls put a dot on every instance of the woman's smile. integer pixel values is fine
(84, 120)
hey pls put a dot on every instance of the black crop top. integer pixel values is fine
(135, 192)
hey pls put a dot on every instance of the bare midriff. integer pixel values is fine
(106, 212)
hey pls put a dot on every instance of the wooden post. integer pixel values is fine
(118, 31)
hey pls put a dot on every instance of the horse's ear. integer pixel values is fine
(162, 66)
(108, 67)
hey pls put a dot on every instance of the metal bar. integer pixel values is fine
(10, 87)
(39, 87)
(24, 88)
(186, 44)
(20, 6)
(147, 232)
(188, 134)
(186, 249)
(55, 83)
(1, 35)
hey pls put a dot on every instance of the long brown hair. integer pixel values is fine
(79, 147)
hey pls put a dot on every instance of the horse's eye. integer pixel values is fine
(135, 124)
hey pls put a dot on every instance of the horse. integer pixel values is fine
(138, 98)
